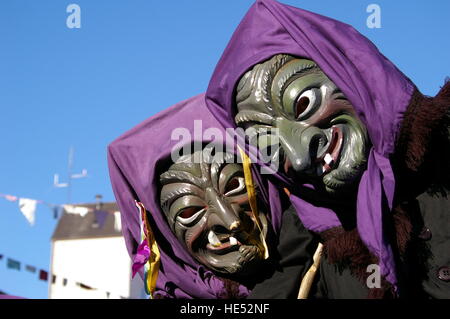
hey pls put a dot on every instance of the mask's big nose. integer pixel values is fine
(300, 143)
(222, 212)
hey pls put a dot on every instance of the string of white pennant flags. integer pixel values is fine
(28, 208)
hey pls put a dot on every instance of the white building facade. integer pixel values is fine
(89, 259)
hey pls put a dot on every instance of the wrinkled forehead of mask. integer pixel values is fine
(260, 89)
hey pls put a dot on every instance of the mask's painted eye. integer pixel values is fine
(305, 103)
(189, 215)
(234, 186)
(302, 105)
(189, 212)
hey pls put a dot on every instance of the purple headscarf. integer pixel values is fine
(135, 161)
(379, 92)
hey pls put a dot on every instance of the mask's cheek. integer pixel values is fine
(194, 236)
(353, 157)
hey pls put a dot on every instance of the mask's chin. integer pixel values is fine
(241, 262)
(233, 255)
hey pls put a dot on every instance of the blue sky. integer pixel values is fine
(62, 87)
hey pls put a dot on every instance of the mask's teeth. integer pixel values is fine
(213, 240)
(233, 241)
(328, 159)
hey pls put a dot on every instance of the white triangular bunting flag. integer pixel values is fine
(77, 210)
(28, 208)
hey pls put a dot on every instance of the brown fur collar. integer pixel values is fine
(422, 155)
(230, 290)
(346, 249)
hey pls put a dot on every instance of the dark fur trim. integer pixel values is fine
(403, 228)
(231, 290)
(421, 161)
(424, 116)
(346, 249)
(385, 292)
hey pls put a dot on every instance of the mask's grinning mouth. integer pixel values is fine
(222, 244)
(330, 157)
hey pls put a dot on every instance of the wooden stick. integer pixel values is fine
(307, 281)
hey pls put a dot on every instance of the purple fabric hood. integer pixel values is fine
(379, 92)
(135, 162)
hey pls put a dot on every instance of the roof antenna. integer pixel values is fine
(98, 206)
(70, 176)
(98, 199)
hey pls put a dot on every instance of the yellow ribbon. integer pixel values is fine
(152, 265)
(246, 163)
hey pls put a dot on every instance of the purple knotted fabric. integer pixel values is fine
(378, 91)
(136, 160)
(140, 259)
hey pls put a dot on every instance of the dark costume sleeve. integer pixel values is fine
(293, 256)
(436, 233)
(423, 168)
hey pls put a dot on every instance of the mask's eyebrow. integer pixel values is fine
(171, 192)
(296, 70)
(297, 67)
(173, 176)
(217, 166)
(253, 116)
(177, 184)
(253, 89)
(228, 172)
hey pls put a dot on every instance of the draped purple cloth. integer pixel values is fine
(136, 159)
(10, 297)
(379, 92)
